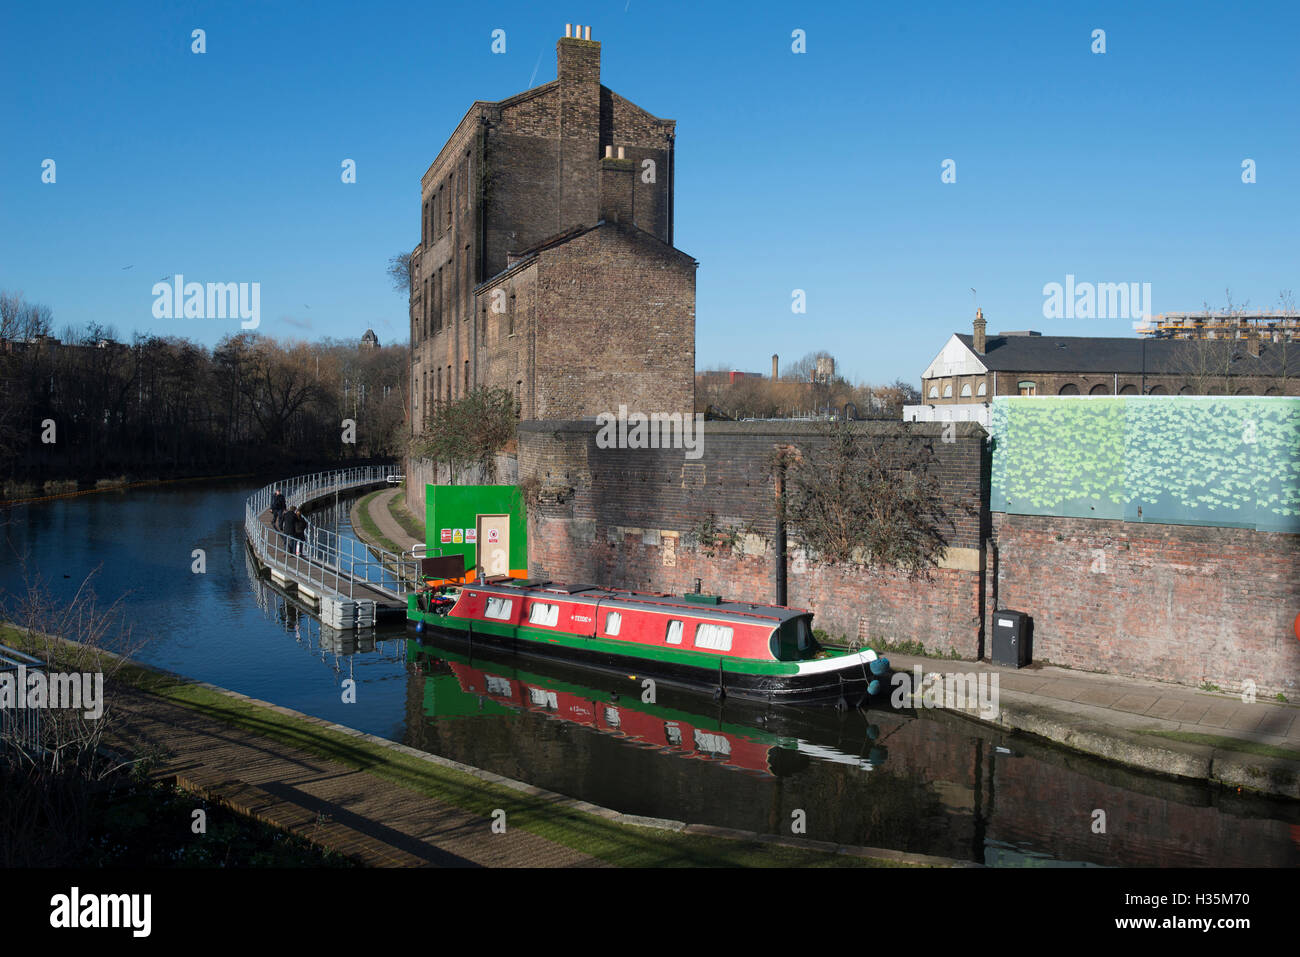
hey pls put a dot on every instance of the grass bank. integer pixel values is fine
(616, 842)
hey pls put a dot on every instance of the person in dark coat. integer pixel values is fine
(284, 525)
(277, 507)
(299, 530)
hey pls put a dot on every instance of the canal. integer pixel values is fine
(925, 782)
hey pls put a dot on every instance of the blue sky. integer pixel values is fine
(817, 171)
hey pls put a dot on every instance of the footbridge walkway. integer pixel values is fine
(349, 583)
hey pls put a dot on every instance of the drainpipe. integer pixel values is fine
(780, 535)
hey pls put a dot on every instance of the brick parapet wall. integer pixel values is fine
(631, 518)
(1182, 603)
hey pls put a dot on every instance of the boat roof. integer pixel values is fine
(649, 601)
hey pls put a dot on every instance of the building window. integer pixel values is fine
(1027, 388)
(1069, 389)
(543, 614)
(613, 621)
(934, 392)
(983, 389)
(1099, 389)
(674, 636)
(717, 637)
(499, 608)
(965, 391)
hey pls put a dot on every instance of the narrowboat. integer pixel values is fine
(700, 642)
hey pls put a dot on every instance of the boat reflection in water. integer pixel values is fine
(920, 781)
(769, 746)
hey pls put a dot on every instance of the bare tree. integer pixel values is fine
(863, 494)
(399, 271)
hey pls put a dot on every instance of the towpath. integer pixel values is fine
(1168, 728)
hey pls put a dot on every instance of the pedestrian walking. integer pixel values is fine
(284, 525)
(277, 507)
(299, 530)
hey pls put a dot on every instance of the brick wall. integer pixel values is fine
(631, 517)
(1180, 603)
(615, 325)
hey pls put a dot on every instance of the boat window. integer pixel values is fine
(674, 632)
(717, 637)
(543, 698)
(673, 732)
(498, 686)
(794, 640)
(543, 614)
(612, 623)
(711, 743)
(498, 608)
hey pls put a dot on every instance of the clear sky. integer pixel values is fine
(818, 171)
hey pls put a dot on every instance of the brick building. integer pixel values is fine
(546, 265)
(971, 369)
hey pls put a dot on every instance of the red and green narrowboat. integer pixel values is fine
(701, 642)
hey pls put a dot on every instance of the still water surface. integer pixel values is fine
(920, 782)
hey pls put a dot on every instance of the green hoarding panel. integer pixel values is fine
(1185, 460)
(453, 510)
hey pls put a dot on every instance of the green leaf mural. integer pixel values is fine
(1186, 460)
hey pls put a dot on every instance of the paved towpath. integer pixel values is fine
(377, 508)
(1130, 720)
(334, 805)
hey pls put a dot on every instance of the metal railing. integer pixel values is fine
(333, 563)
(19, 726)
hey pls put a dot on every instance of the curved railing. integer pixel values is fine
(331, 562)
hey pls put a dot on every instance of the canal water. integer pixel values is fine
(924, 782)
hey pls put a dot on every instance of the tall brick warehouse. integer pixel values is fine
(546, 265)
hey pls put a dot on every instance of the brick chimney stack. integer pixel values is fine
(1252, 342)
(979, 332)
(616, 185)
(775, 366)
(578, 59)
(578, 72)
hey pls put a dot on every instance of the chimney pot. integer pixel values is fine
(609, 152)
(620, 152)
(568, 31)
(588, 36)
